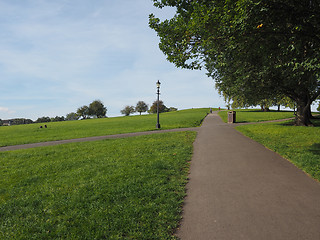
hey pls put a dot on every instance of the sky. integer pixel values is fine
(56, 56)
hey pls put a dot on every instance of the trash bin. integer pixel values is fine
(231, 116)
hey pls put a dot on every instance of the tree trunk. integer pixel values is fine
(309, 113)
(303, 113)
(278, 107)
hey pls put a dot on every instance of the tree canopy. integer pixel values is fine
(162, 107)
(127, 110)
(254, 49)
(141, 107)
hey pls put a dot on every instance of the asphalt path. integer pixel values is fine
(238, 189)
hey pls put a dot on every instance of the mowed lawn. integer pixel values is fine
(32, 133)
(254, 115)
(300, 145)
(130, 188)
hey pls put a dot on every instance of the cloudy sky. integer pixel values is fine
(56, 56)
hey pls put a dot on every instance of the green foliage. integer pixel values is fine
(97, 109)
(99, 127)
(250, 52)
(72, 116)
(83, 112)
(130, 188)
(162, 107)
(141, 107)
(255, 115)
(298, 144)
(43, 119)
(127, 110)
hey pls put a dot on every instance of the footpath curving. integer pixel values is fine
(238, 189)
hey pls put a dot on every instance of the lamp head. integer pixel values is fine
(158, 84)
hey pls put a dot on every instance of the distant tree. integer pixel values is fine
(127, 110)
(72, 116)
(18, 121)
(58, 119)
(162, 107)
(0, 122)
(141, 107)
(172, 109)
(43, 119)
(83, 112)
(318, 108)
(97, 109)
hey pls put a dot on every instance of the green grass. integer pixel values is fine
(131, 188)
(300, 145)
(23, 134)
(254, 115)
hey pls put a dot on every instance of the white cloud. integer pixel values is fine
(57, 56)
(6, 110)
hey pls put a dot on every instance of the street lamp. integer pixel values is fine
(158, 93)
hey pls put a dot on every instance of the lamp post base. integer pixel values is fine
(158, 125)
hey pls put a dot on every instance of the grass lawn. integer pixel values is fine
(131, 188)
(254, 115)
(22, 134)
(301, 145)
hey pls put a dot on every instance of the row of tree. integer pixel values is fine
(95, 109)
(254, 50)
(141, 107)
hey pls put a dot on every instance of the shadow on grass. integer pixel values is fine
(315, 148)
(315, 121)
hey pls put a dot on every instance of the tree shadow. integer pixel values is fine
(315, 148)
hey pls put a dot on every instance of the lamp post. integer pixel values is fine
(158, 93)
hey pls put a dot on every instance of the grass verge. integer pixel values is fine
(254, 115)
(23, 134)
(131, 188)
(300, 145)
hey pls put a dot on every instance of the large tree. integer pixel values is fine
(141, 107)
(162, 107)
(97, 109)
(83, 112)
(127, 110)
(254, 49)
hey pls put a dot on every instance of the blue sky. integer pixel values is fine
(59, 55)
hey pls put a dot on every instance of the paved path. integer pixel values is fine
(88, 139)
(238, 189)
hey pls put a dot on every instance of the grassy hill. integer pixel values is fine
(22, 134)
(130, 188)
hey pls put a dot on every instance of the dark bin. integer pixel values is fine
(231, 116)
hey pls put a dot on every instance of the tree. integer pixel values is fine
(58, 119)
(127, 110)
(250, 52)
(162, 107)
(83, 112)
(43, 119)
(97, 109)
(72, 116)
(141, 107)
